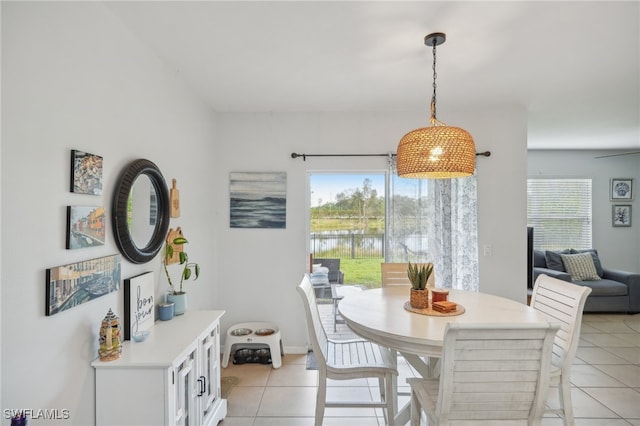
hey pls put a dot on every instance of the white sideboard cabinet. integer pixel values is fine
(172, 378)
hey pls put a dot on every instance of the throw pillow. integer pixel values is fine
(320, 276)
(538, 259)
(580, 266)
(596, 259)
(554, 261)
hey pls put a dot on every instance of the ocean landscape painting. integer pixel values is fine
(258, 199)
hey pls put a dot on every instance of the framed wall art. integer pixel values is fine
(258, 200)
(621, 215)
(86, 173)
(139, 304)
(85, 227)
(77, 283)
(621, 189)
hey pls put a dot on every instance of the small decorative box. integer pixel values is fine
(443, 306)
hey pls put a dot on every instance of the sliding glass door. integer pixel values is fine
(368, 218)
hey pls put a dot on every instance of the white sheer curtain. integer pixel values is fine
(435, 220)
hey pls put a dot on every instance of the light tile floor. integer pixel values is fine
(605, 378)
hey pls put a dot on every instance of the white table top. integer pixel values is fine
(379, 315)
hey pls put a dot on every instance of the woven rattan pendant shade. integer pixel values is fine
(436, 152)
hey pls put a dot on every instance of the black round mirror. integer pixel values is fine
(140, 211)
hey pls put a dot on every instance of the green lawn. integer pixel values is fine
(361, 271)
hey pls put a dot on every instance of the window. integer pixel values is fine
(369, 216)
(559, 210)
(347, 221)
(415, 220)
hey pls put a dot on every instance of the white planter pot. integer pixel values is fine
(179, 301)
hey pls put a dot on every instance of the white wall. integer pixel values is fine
(618, 247)
(263, 266)
(74, 78)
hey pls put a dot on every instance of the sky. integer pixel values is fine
(325, 186)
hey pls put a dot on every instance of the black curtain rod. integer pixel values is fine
(304, 156)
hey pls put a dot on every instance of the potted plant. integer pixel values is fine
(176, 294)
(419, 275)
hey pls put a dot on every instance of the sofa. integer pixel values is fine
(612, 290)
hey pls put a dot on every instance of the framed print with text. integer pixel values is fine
(139, 304)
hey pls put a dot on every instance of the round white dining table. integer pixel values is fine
(379, 315)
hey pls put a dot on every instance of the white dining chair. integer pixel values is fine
(563, 303)
(395, 274)
(346, 360)
(491, 374)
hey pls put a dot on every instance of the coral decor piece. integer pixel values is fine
(110, 346)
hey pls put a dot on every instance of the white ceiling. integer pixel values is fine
(575, 66)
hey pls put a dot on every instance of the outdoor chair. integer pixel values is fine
(346, 360)
(491, 374)
(336, 276)
(561, 302)
(329, 274)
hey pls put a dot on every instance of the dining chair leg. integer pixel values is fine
(391, 398)
(383, 396)
(564, 389)
(321, 397)
(415, 409)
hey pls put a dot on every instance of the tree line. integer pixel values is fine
(361, 206)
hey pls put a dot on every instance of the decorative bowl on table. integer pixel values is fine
(140, 336)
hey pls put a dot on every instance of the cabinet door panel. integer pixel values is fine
(140, 405)
(186, 391)
(210, 371)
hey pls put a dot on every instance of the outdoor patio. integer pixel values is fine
(325, 306)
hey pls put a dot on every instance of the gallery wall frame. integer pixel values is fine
(621, 215)
(258, 200)
(85, 227)
(70, 285)
(86, 173)
(139, 304)
(621, 189)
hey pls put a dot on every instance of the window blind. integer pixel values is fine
(560, 212)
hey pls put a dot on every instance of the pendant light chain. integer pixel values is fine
(433, 97)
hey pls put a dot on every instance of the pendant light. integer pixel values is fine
(438, 151)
